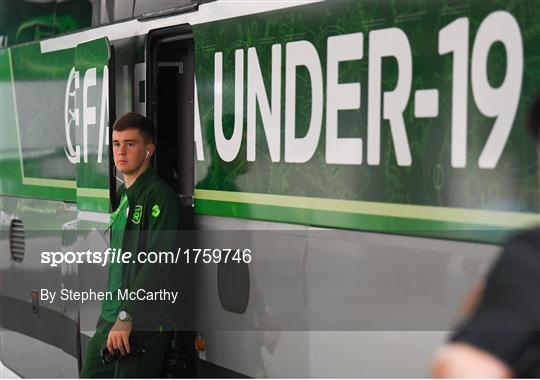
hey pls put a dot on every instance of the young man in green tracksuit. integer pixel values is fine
(145, 221)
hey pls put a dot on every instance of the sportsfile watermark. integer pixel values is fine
(287, 280)
(117, 256)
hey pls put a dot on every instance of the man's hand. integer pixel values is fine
(118, 338)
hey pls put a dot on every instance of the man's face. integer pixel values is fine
(129, 150)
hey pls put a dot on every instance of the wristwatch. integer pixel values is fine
(124, 316)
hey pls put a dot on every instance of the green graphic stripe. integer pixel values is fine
(12, 73)
(49, 182)
(92, 193)
(429, 213)
(371, 223)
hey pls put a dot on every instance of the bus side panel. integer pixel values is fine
(331, 303)
(37, 190)
(308, 115)
(37, 329)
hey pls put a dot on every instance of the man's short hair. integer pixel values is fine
(133, 120)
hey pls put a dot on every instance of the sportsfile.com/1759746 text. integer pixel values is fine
(113, 255)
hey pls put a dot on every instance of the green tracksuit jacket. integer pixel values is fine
(152, 217)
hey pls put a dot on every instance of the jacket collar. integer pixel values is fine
(142, 181)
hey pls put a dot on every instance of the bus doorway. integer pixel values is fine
(170, 94)
(170, 75)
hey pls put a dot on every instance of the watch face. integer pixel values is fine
(122, 315)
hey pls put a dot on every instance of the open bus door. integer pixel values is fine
(92, 61)
(95, 193)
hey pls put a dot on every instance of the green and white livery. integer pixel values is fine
(379, 146)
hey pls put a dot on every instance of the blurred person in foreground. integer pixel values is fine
(501, 337)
